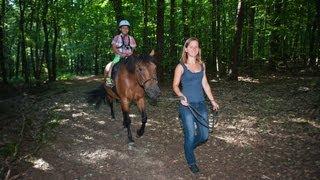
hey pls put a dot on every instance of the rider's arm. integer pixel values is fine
(115, 49)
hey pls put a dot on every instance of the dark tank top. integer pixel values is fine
(192, 84)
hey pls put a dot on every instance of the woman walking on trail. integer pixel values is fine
(123, 46)
(191, 73)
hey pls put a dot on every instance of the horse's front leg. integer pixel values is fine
(126, 118)
(142, 109)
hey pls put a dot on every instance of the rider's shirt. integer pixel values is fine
(124, 43)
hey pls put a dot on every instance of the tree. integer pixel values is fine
(160, 33)
(173, 49)
(215, 31)
(185, 19)
(315, 32)
(117, 6)
(25, 65)
(2, 44)
(275, 39)
(236, 42)
(250, 39)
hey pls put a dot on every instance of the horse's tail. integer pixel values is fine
(97, 96)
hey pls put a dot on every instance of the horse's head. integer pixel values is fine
(146, 72)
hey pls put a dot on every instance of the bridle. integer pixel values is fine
(150, 79)
(145, 81)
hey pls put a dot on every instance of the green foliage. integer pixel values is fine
(86, 29)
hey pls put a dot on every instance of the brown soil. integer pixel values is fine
(267, 129)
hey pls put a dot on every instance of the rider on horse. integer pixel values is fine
(123, 46)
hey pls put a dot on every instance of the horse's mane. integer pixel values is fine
(131, 61)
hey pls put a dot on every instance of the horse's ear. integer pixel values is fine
(152, 53)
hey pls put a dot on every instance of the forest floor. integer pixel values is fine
(267, 128)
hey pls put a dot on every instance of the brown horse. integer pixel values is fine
(136, 76)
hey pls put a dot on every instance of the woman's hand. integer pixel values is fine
(184, 101)
(215, 106)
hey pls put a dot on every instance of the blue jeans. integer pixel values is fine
(193, 136)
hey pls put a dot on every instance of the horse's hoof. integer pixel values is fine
(139, 133)
(131, 145)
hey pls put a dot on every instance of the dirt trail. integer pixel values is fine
(265, 131)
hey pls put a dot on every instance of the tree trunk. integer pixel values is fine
(117, 6)
(215, 23)
(18, 59)
(25, 65)
(95, 56)
(275, 39)
(46, 40)
(54, 49)
(237, 42)
(38, 65)
(314, 39)
(250, 40)
(146, 43)
(3, 56)
(160, 34)
(185, 19)
(172, 49)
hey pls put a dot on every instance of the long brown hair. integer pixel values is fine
(184, 56)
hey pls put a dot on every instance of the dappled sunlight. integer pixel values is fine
(68, 83)
(101, 122)
(100, 155)
(304, 120)
(100, 133)
(254, 120)
(248, 79)
(241, 133)
(83, 77)
(64, 121)
(63, 107)
(41, 164)
(79, 114)
(87, 137)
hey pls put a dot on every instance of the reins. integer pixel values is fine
(199, 118)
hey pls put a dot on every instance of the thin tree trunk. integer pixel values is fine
(275, 39)
(173, 49)
(54, 50)
(250, 40)
(185, 19)
(145, 26)
(95, 56)
(25, 68)
(237, 42)
(215, 23)
(18, 58)
(38, 63)
(160, 34)
(117, 6)
(46, 39)
(2, 44)
(313, 40)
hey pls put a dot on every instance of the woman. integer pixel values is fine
(123, 46)
(192, 76)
